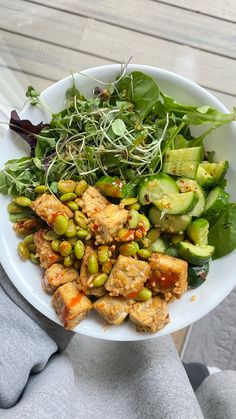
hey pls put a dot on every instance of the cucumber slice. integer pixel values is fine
(185, 154)
(215, 202)
(181, 168)
(168, 223)
(155, 187)
(195, 254)
(198, 231)
(183, 162)
(172, 251)
(203, 178)
(197, 275)
(216, 170)
(209, 174)
(158, 246)
(177, 204)
(186, 185)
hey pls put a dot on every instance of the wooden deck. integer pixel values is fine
(42, 41)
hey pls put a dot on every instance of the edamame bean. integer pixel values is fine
(144, 222)
(79, 249)
(100, 280)
(83, 234)
(68, 261)
(153, 234)
(65, 248)
(66, 197)
(55, 245)
(29, 239)
(23, 252)
(144, 295)
(136, 206)
(72, 205)
(133, 218)
(13, 208)
(50, 235)
(107, 266)
(103, 254)
(129, 249)
(66, 186)
(40, 189)
(22, 201)
(71, 230)
(93, 263)
(129, 201)
(81, 187)
(60, 224)
(31, 247)
(144, 253)
(125, 234)
(81, 220)
(34, 259)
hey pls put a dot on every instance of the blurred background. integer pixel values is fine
(42, 41)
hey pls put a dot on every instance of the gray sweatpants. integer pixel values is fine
(112, 380)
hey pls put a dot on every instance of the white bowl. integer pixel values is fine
(26, 277)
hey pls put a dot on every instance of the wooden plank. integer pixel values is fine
(42, 58)
(161, 20)
(218, 8)
(117, 44)
(215, 72)
(12, 92)
(42, 23)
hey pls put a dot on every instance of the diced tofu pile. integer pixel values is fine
(168, 275)
(150, 316)
(71, 305)
(74, 286)
(48, 207)
(127, 277)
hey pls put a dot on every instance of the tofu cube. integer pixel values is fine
(57, 275)
(71, 305)
(93, 201)
(105, 224)
(46, 255)
(169, 275)
(48, 207)
(113, 309)
(149, 316)
(127, 277)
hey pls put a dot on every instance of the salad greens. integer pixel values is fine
(222, 232)
(122, 131)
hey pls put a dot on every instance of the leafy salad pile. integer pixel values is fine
(124, 130)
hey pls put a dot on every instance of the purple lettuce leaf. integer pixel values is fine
(26, 130)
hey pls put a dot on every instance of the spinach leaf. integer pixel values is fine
(222, 233)
(208, 115)
(140, 89)
(193, 115)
